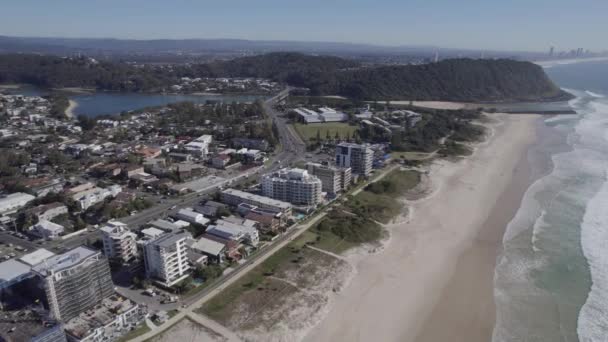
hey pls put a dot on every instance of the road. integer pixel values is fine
(292, 149)
(196, 301)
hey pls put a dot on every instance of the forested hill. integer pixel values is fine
(451, 80)
(456, 79)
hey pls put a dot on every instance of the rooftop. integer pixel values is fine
(12, 270)
(199, 184)
(36, 257)
(99, 316)
(152, 232)
(168, 240)
(257, 198)
(66, 260)
(164, 225)
(207, 246)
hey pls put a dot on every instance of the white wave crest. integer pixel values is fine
(539, 225)
(593, 317)
(592, 94)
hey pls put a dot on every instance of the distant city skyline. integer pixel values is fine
(484, 25)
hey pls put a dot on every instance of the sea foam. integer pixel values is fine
(592, 94)
(593, 317)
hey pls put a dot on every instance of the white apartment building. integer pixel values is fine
(119, 243)
(334, 179)
(74, 282)
(295, 186)
(358, 157)
(13, 202)
(191, 216)
(90, 197)
(166, 258)
(48, 211)
(199, 146)
(47, 229)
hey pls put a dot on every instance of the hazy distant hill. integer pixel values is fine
(93, 46)
(458, 79)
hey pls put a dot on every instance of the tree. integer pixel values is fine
(86, 122)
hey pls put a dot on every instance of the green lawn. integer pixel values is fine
(309, 132)
(415, 156)
(251, 301)
(378, 200)
(251, 280)
(140, 330)
(325, 240)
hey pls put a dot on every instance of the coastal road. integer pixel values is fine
(293, 148)
(196, 301)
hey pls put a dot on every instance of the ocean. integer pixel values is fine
(551, 280)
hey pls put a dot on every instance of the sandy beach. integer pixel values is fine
(69, 112)
(434, 280)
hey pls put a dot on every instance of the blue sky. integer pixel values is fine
(482, 24)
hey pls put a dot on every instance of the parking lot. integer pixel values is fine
(9, 250)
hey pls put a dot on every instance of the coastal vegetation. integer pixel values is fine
(427, 135)
(295, 275)
(300, 272)
(474, 80)
(325, 132)
(59, 104)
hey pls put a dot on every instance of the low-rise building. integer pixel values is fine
(90, 197)
(220, 161)
(200, 146)
(47, 229)
(11, 203)
(164, 225)
(231, 229)
(235, 197)
(48, 211)
(191, 216)
(214, 250)
(44, 186)
(267, 221)
(31, 330)
(108, 321)
(212, 209)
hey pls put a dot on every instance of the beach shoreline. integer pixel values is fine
(69, 111)
(434, 280)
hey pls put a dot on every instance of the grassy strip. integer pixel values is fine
(324, 130)
(140, 330)
(251, 280)
(339, 231)
(355, 222)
